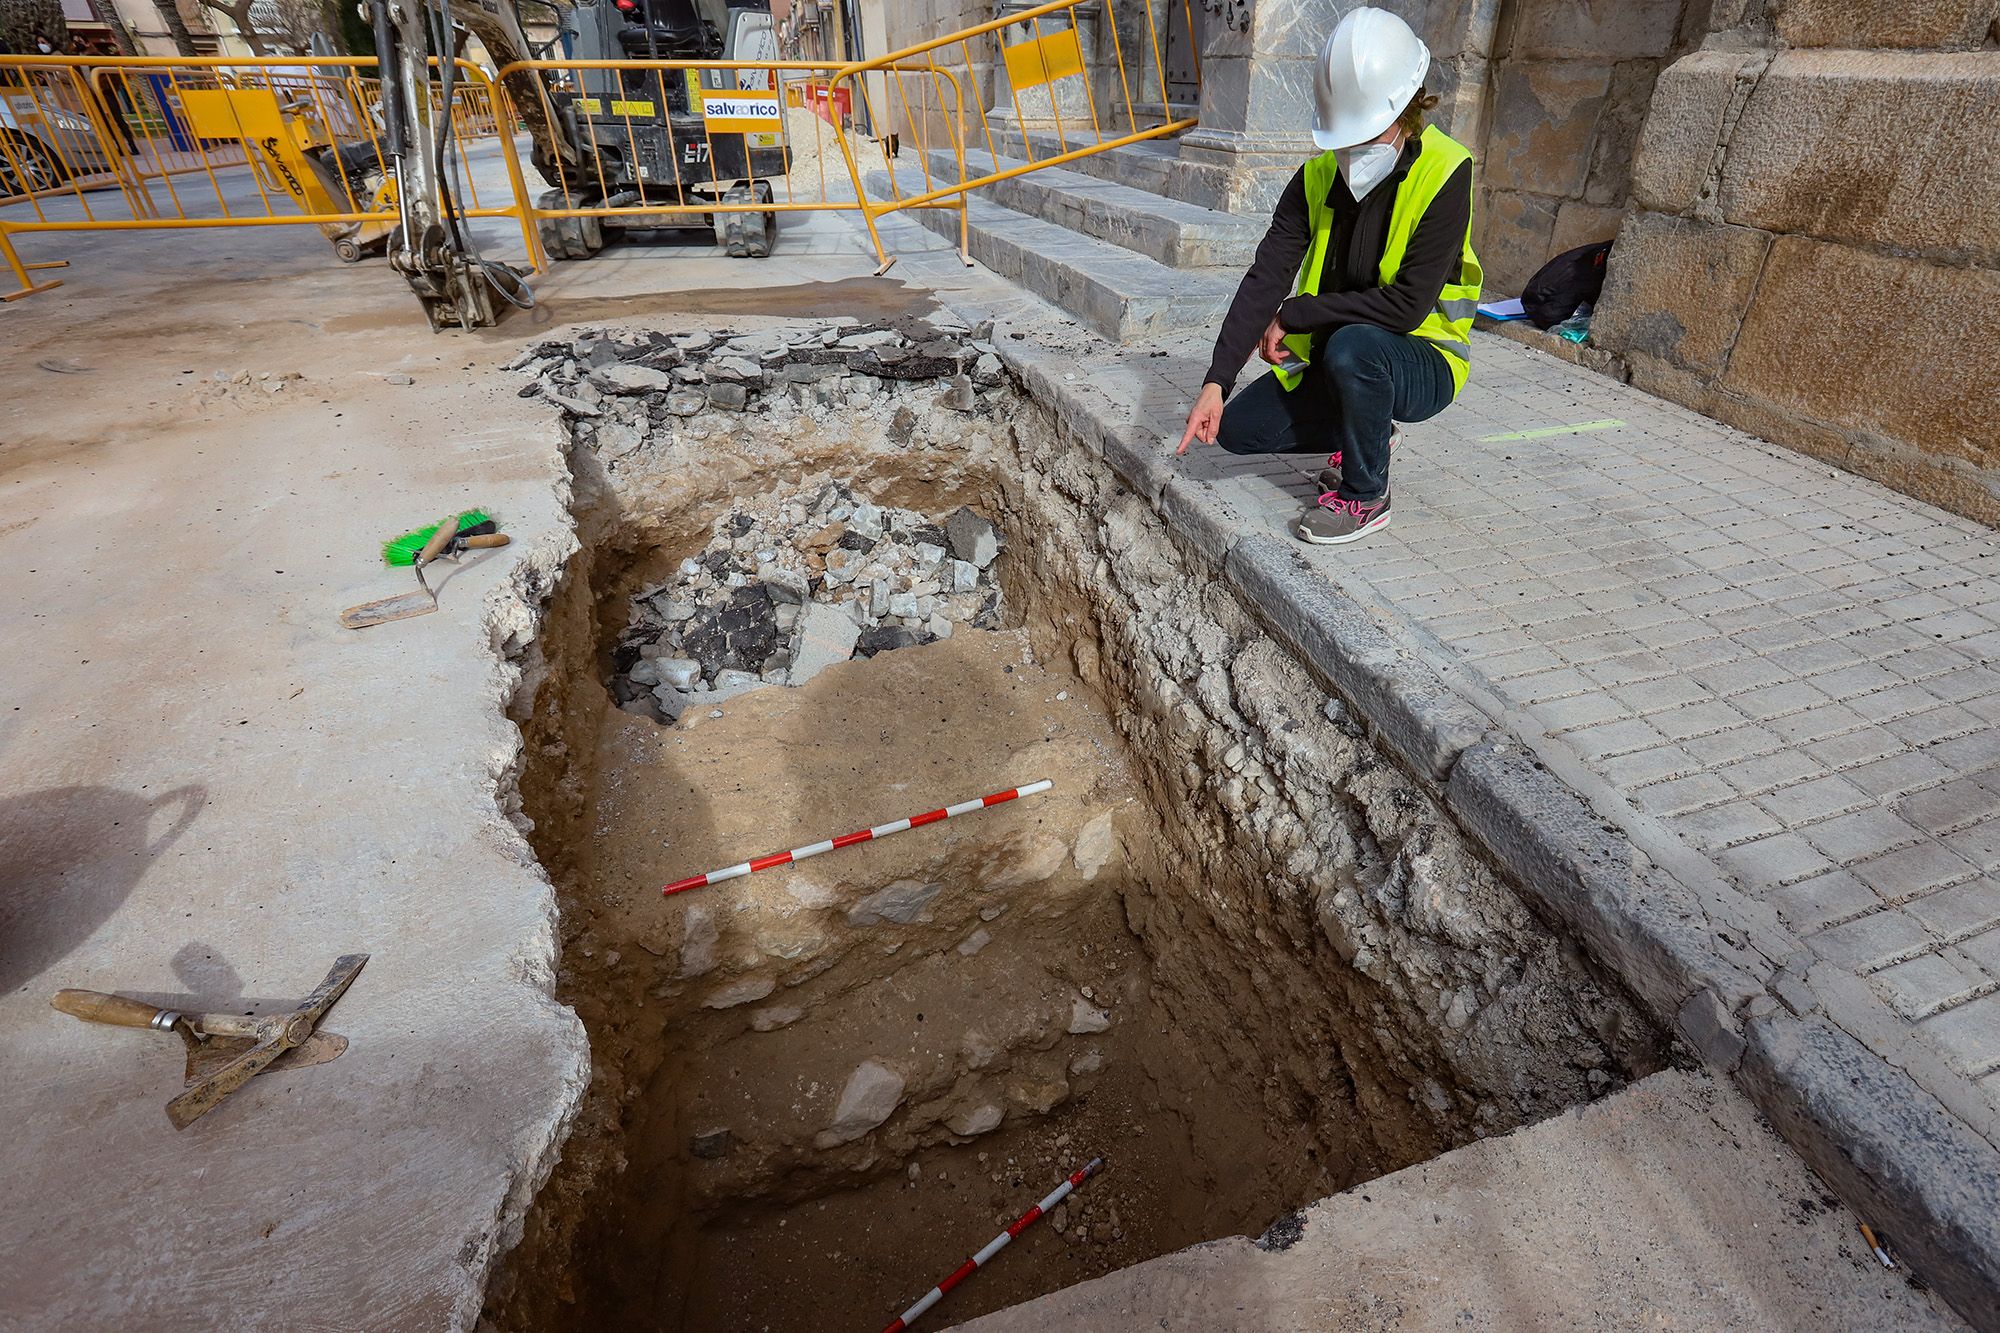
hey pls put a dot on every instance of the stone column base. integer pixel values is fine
(1237, 172)
(1065, 102)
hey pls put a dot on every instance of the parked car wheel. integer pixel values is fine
(26, 165)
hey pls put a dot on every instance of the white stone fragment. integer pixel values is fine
(787, 586)
(981, 1119)
(872, 1094)
(825, 636)
(973, 538)
(623, 377)
(679, 672)
(698, 940)
(775, 1017)
(1085, 1017)
(741, 992)
(1096, 845)
(871, 340)
(905, 902)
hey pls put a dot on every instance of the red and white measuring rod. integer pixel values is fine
(994, 1246)
(849, 839)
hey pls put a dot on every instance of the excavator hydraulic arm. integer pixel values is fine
(497, 25)
(433, 246)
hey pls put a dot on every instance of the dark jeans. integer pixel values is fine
(1363, 379)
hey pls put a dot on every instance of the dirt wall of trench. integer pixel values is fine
(1388, 957)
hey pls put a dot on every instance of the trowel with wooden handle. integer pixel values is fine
(445, 541)
(225, 1051)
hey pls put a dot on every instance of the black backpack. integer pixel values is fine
(1571, 279)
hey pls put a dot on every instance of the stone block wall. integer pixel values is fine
(1566, 86)
(898, 24)
(1814, 250)
(1118, 46)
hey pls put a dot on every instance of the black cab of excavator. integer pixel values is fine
(666, 30)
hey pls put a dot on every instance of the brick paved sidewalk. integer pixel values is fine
(1769, 664)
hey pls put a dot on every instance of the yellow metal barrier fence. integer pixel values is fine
(94, 144)
(1053, 87)
(759, 124)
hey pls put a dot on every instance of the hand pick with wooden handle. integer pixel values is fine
(191, 1105)
(227, 1061)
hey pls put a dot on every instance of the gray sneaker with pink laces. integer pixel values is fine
(1334, 521)
(1329, 476)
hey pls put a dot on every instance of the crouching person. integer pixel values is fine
(1373, 238)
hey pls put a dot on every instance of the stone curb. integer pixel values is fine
(1895, 1152)
(1416, 715)
(1419, 718)
(1653, 932)
(1931, 1186)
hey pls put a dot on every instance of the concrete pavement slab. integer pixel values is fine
(1667, 1201)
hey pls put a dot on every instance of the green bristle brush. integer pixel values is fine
(403, 550)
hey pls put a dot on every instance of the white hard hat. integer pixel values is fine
(1370, 68)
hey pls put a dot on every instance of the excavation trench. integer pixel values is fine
(1234, 951)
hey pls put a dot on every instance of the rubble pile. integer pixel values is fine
(796, 583)
(619, 390)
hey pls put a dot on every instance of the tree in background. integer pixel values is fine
(277, 27)
(302, 20)
(356, 35)
(20, 20)
(177, 27)
(107, 14)
(238, 13)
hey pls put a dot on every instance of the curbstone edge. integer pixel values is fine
(1419, 718)
(1207, 524)
(1646, 927)
(1913, 1170)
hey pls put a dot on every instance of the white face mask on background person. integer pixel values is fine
(1367, 165)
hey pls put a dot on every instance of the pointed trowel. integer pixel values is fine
(445, 541)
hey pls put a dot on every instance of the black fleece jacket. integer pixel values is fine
(1349, 292)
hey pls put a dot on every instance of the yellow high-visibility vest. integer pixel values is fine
(1449, 324)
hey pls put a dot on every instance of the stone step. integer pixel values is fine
(1177, 234)
(1147, 165)
(1118, 293)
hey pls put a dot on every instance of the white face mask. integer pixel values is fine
(1367, 166)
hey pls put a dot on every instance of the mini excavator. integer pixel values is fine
(603, 138)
